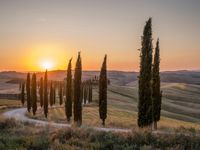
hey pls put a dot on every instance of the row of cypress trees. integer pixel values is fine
(31, 93)
(149, 105)
(81, 92)
(76, 92)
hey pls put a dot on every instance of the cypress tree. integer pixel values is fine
(54, 94)
(22, 93)
(34, 94)
(82, 92)
(28, 92)
(68, 101)
(77, 92)
(145, 92)
(60, 94)
(46, 94)
(51, 97)
(103, 92)
(90, 92)
(41, 92)
(156, 93)
(85, 93)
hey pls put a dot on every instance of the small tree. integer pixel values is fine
(68, 101)
(54, 94)
(28, 92)
(51, 97)
(90, 92)
(41, 92)
(34, 94)
(77, 92)
(85, 93)
(156, 93)
(60, 94)
(103, 92)
(22, 93)
(46, 94)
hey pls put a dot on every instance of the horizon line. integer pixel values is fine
(1, 71)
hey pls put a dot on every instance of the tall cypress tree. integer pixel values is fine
(60, 94)
(82, 93)
(41, 92)
(77, 92)
(51, 97)
(156, 93)
(34, 94)
(68, 101)
(145, 91)
(22, 93)
(28, 92)
(46, 94)
(103, 92)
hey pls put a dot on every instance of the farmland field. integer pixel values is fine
(180, 107)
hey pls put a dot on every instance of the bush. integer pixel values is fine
(8, 123)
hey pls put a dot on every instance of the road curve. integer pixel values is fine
(19, 114)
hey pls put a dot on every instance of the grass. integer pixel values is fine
(6, 103)
(17, 135)
(122, 110)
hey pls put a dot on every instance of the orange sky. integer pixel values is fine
(33, 32)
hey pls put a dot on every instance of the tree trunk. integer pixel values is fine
(103, 122)
(68, 120)
(155, 125)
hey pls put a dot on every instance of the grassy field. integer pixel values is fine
(181, 107)
(17, 135)
(6, 103)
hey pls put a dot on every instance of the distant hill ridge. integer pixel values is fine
(116, 77)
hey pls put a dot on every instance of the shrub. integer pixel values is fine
(8, 123)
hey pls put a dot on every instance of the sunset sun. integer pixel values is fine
(47, 64)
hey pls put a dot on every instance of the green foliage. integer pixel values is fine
(156, 93)
(103, 92)
(68, 101)
(28, 92)
(90, 92)
(41, 92)
(51, 97)
(22, 93)
(90, 139)
(46, 94)
(34, 93)
(54, 94)
(77, 92)
(60, 94)
(8, 123)
(85, 91)
(145, 92)
(15, 135)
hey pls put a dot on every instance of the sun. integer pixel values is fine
(47, 64)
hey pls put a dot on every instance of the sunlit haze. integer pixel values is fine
(35, 35)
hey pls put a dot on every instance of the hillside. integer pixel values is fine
(116, 77)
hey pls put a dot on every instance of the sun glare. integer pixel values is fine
(47, 64)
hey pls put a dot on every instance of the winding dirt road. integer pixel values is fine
(19, 114)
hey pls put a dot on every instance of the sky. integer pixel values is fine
(34, 32)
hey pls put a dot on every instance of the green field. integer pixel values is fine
(180, 107)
